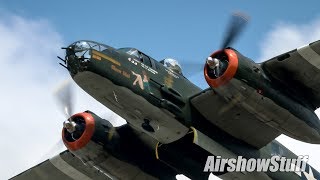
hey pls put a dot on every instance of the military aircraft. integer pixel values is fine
(173, 125)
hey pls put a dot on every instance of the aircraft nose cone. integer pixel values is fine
(78, 55)
(76, 59)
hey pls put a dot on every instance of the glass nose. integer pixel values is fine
(82, 49)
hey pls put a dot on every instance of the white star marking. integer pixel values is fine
(309, 176)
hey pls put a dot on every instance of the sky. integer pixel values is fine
(31, 35)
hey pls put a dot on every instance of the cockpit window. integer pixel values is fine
(82, 48)
(139, 55)
(130, 51)
(134, 52)
(172, 64)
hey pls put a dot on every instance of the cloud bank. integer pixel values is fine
(27, 51)
(29, 72)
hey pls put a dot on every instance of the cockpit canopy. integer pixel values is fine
(172, 64)
(130, 51)
(145, 59)
(81, 48)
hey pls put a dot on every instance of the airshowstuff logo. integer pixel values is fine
(240, 164)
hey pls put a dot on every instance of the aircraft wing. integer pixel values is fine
(299, 71)
(66, 166)
(233, 118)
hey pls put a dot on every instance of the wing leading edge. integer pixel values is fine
(63, 166)
(66, 166)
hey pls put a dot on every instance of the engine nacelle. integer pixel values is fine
(97, 143)
(243, 83)
(228, 67)
(89, 127)
(85, 127)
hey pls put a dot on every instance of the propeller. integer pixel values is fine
(63, 94)
(64, 97)
(236, 24)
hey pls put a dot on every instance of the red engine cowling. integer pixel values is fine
(87, 122)
(228, 73)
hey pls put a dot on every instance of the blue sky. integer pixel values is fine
(188, 31)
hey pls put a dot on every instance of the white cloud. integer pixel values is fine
(282, 38)
(27, 49)
(288, 36)
(30, 120)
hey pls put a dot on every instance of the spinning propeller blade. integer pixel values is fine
(64, 97)
(236, 25)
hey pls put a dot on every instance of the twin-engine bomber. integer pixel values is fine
(173, 125)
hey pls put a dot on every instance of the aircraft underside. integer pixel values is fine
(132, 107)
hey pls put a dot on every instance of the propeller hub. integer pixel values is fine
(70, 126)
(213, 62)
